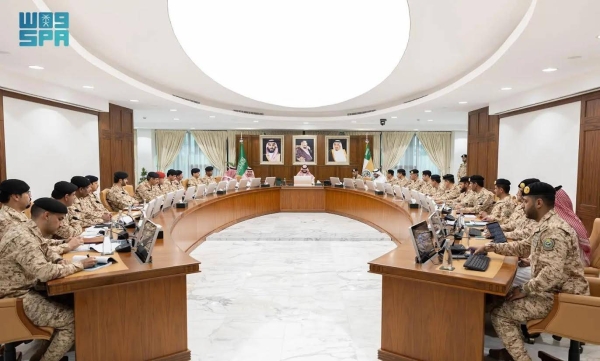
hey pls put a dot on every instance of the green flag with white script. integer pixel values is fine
(368, 163)
(242, 162)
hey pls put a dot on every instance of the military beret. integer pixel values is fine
(178, 172)
(63, 188)
(171, 172)
(209, 168)
(390, 171)
(427, 172)
(51, 205)
(14, 186)
(527, 182)
(152, 175)
(476, 177)
(414, 171)
(435, 177)
(502, 181)
(539, 189)
(195, 170)
(80, 182)
(464, 179)
(449, 177)
(161, 175)
(93, 178)
(121, 175)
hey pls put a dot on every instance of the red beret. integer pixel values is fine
(161, 175)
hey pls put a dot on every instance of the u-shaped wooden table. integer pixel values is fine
(141, 313)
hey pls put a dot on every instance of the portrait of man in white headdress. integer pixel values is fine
(272, 149)
(337, 150)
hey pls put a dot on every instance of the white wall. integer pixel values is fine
(542, 144)
(459, 147)
(45, 144)
(145, 152)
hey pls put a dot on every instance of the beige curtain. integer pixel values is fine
(213, 144)
(394, 146)
(438, 146)
(168, 145)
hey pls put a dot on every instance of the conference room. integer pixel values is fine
(218, 181)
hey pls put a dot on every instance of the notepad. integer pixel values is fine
(98, 247)
(476, 224)
(101, 262)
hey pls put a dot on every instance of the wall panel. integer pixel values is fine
(116, 144)
(482, 147)
(588, 194)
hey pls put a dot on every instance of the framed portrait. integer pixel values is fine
(305, 149)
(271, 149)
(338, 150)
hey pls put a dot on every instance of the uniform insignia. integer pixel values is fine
(526, 190)
(548, 244)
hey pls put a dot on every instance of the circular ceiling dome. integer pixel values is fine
(293, 53)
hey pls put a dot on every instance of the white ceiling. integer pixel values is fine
(449, 42)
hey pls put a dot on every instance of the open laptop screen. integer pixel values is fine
(423, 241)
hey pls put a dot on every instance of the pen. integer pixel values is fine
(87, 255)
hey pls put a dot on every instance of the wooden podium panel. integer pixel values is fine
(302, 199)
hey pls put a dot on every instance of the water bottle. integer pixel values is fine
(447, 259)
(106, 246)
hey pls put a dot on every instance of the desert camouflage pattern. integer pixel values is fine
(518, 226)
(482, 201)
(416, 185)
(502, 210)
(194, 182)
(10, 217)
(462, 171)
(145, 192)
(118, 199)
(208, 180)
(70, 226)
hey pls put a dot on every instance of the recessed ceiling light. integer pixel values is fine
(256, 121)
(506, 88)
(134, 100)
(88, 87)
(211, 116)
(305, 122)
(173, 110)
(549, 70)
(462, 102)
(394, 117)
(354, 121)
(598, 36)
(430, 120)
(428, 111)
(415, 129)
(36, 67)
(574, 57)
(175, 118)
(192, 128)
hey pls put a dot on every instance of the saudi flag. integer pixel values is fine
(242, 162)
(368, 163)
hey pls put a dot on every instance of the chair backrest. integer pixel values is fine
(594, 243)
(16, 326)
(238, 177)
(367, 178)
(129, 189)
(184, 183)
(218, 178)
(103, 194)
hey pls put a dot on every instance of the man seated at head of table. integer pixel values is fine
(504, 207)
(194, 180)
(390, 179)
(556, 267)
(208, 175)
(26, 261)
(229, 174)
(148, 189)
(415, 182)
(304, 172)
(117, 197)
(451, 190)
(83, 204)
(402, 181)
(481, 199)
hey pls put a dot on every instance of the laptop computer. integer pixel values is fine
(359, 184)
(423, 241)
(149, 208)
(388, 189)
(222, 186)
(414, 195)
(380, 187)
(496, 232)
(157, 205)
(200, 191)
(255, 183)
(302, 181)
(189, 194)
(147, 240)
(424, 201)
(243, 184)
(349, 183)
(406, 194)
(397, 191)
(370, 185)
(231, 185)
(169, 200)
(270, 181)
(334, 180)
(178, 196)
(212, 188)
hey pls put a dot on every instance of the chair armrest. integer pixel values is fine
(594, 286)
(591, 272)
(15, 324)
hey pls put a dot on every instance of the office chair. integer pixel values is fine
(594, 269)
(184, 183)
(103, 194)
(129, 189)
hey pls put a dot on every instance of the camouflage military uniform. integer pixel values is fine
(70, 226)
(462, 171)
(518, 226)
(145, 192)
(404, 182)
(436, 192)
(426, 187)
(118, 199)
(86, 212)
(194, 182)
(96, 204)
(502, 210)
(555, 267)
(358, 176)
(25, 259)
(451, 194)
(393, 181)
(482, 201)
(416, 185)
(208, 180)
(9, 217)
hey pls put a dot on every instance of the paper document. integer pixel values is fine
(470, 216)
(82, 248)
(477, 224)
(101, 262)
(98, 247)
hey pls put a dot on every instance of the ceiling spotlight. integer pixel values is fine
(256, 121)
(211, 116)
(598, 36)
(506, 88)
(549, 70)
(173, 110)
(430, 120)
(394, 117)
(175, 118)
(134, 101)
(428, 111)
(415, 129)
(36, 67)
(88, 87)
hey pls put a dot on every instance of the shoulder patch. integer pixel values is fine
(548, 244)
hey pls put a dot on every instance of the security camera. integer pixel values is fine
(382, 121)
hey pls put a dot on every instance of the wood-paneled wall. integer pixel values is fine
(588, 191)
(115, 130)
(482, 145)
(320, 171)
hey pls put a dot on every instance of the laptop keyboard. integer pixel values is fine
(477, 262)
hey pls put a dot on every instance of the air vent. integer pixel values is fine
(363, 112)
(247, 112)
(189, 100)
(412, 100)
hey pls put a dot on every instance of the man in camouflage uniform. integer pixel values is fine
(481, 200)
(355, 174)
(390, 179)
(426, 187)
(504, 207)
(117, 197)
(451, 190)
(208, 178)
(93, 199)
(83, 206)
(462, 169)
(179, 179)
(465, 192)
(25, 260)
(70, 226)
(149, 188)
(402, 180)
(415, 182)
(555, 265)
(435, 189)
(518, 226)
(194, 180)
